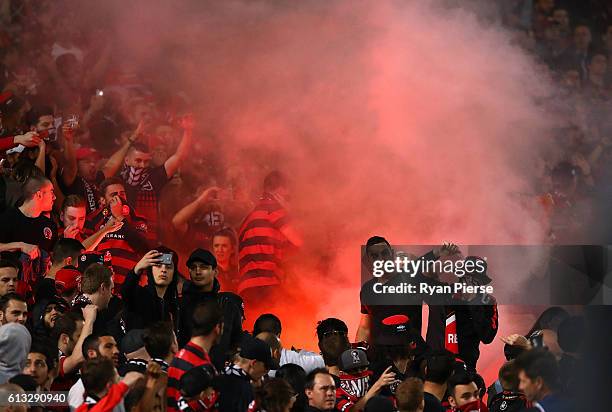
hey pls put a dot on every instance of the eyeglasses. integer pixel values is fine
(335, 332)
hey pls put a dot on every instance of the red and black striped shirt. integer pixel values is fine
(189, 357)
(126, 246)
(261, 244)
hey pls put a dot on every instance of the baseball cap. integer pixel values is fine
(197, 379)
(330, 326)
(255, 349)
(353, 359)
(395, 330)
(204, 256)
(481, 276)
(86, 152)
(67, 278)
(132, 341)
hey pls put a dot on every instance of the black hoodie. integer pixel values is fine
(233, 313)
(142, 305)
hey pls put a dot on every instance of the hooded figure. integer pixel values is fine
(41, 328)
(143, 306)
(15, 341)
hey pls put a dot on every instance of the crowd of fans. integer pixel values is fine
(93, 225)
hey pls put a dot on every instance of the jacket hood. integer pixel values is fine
(15, 341)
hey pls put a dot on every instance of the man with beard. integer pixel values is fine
(13, 308)
(144, 183)
(463, 393)
(94, 346)
(206, 330)
(126, 244)
(44, 314)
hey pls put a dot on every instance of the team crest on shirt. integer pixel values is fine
(47, 233)
(147, 187)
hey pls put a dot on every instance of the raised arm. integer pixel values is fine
(75, 359)
(113, 164)
(174, 161)
(182, 218)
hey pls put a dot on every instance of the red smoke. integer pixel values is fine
(403, 119)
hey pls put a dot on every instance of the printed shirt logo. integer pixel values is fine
(355, 356)
(47, 233)
(147, 187)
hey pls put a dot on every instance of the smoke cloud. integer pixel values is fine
(410, 120)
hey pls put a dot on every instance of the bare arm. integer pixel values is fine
(40, 160)
(94, 240)
(363, 331)
(77, 357)
(113, 164)
(70, 162)
(173, 162)
(292, 235)
(183, 216)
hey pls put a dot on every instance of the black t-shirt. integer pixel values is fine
(209, 220)
(87, 190)
(432, 404)
(16, 227)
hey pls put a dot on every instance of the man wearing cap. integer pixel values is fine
(202, 287)
(62, 277)
(253, 363)
(353, 389)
